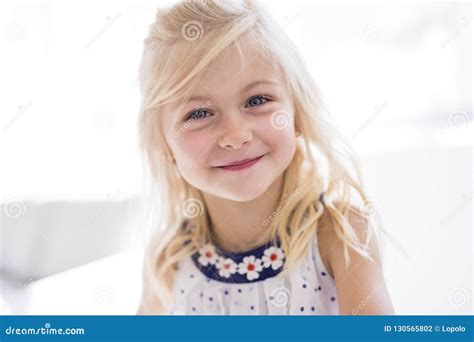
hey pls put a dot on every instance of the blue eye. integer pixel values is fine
(257, 101)
(197, 114)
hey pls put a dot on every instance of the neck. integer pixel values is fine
(242, 226)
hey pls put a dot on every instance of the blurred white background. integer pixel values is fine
(396, 77)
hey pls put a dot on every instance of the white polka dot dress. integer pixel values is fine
(215, 282)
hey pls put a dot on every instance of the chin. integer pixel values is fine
(244, 194)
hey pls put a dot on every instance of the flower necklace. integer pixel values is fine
(243, 267)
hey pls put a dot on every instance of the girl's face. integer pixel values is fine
(239, 110)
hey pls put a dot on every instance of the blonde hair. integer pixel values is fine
(183, 40)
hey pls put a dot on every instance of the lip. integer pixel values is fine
(241, 164)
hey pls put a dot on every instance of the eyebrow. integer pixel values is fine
(244, 89)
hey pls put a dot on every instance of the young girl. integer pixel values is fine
(257, 203)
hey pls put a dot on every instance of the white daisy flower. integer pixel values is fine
(273, 256)
(226, 267)
(250, 266)
(207, 254)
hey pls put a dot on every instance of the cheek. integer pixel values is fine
(281, 139)
(191, 149)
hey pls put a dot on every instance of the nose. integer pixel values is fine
(236, 132)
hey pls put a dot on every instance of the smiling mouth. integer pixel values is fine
(241, 165)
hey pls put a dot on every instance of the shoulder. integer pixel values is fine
(363, 277)
(150, 304)
(330, 244)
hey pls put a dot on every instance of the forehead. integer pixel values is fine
(234, 69)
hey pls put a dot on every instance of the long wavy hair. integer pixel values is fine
(183, 40)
